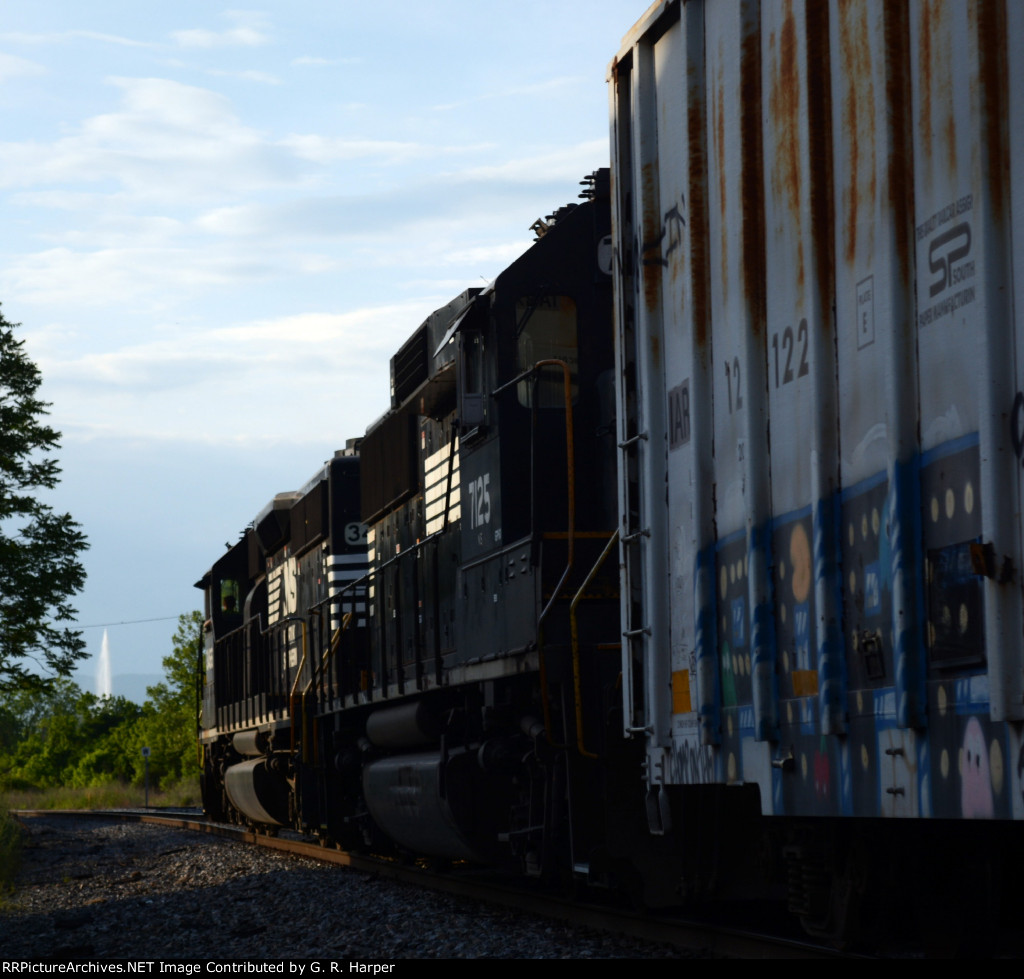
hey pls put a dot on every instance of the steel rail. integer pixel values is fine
(710, 939)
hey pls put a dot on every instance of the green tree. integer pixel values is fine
(34, 732)
(63, 736)
(39, 550)
(168, 723)
(61, 728)
(106, 730)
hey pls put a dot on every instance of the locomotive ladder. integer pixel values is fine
(629, 538)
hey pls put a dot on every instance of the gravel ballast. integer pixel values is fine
(94, 888)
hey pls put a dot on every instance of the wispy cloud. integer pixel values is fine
(60, 37)
(561, 165)
(309, 61)
(547, 87)
(167, 141)
(332, 149)
(247, 32)
(130, 276)
(262, 77)
(11, 66)
(162, 388)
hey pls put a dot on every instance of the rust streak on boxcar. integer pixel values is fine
(858, 130)
(696, 122)
(900, 163)
(994, 99)
(936, 75)
(719, 103)
(949, 124)
(925, 53)
(785, 105)
(751, 179)
(650, 246)
(819, 98)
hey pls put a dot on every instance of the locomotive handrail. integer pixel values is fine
(341, 595)
(570, 455)
(295, 686)
(258, 619)
(306, 739)
(574, 639)
(229, 641)
(332, 647)
(316, 676)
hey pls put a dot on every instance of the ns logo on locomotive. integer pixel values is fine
(687, 557)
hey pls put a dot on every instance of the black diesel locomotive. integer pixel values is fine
(419, 650)
(803, 663)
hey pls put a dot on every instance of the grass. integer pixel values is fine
(111, 796)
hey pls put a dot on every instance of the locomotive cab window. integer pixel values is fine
(546, 331)
(471, 381)
(229, 596)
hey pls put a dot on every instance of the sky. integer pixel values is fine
(218, 224)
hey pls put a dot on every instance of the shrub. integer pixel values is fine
(10, 850)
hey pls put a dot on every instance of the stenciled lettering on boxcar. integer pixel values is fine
(790, 370)
(679, 415)
(865, 312)
(949, 262)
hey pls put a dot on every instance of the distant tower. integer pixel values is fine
(103, 681)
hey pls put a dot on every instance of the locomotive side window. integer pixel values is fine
(547, 332)
(229, 596)
(471, 381)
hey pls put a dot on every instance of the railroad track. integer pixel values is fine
(712, 939)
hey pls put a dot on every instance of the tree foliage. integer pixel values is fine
(168, 724)
(39, 550)
(66, 737)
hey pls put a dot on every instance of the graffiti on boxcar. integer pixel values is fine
(692, 762)
(673, 221)
(822, 772)
(975, 774)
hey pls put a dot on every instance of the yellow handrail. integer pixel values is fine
(574, 633)
(570, 536)
(328, 652)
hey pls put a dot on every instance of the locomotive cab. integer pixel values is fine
(295, 565)
(457, 697)
(488, 494)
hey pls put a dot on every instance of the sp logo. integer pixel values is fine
(945, 251)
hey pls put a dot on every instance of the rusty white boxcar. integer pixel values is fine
(818, 212)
